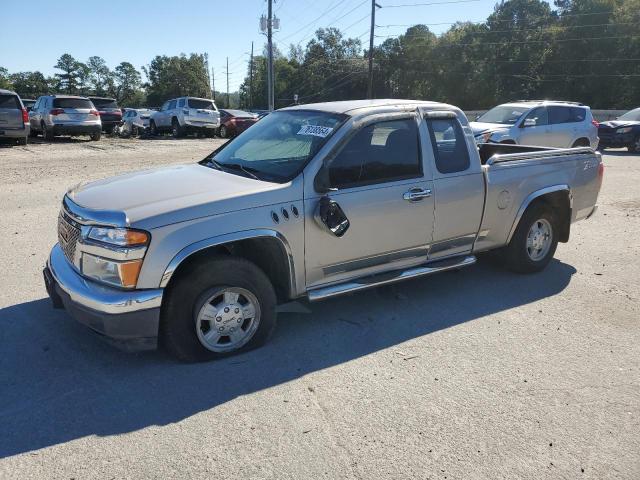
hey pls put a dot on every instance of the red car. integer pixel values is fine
(234, 122)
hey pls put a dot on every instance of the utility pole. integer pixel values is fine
(213, 84)
(228, 104)
(270, 92)
(371, 32)
(251, 79)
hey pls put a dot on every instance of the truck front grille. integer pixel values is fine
(68, 235)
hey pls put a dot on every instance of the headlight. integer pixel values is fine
(122, 237)
(624, 130)
(120, 274)
(115, 255)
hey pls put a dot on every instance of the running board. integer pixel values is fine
(320, 293)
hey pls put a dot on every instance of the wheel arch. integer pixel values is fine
(559, 198)
(268, 249)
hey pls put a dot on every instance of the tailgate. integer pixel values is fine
(10, 113)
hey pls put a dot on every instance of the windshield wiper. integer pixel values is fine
(236, 166)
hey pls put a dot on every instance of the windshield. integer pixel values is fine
(201, 104)
(504, 114)
(72, 103)
(277, 147)
(633, 115)
(104, 103)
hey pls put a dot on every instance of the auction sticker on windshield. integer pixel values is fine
(315, 130)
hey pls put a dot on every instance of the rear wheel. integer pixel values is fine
(134, 131)
(534, 242)
(95, 136)
(218, 307)
(223, 132)
(47, 134)
(635, 148)
(176, 129)
(22, 141)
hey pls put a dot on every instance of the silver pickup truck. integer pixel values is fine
(311, 202)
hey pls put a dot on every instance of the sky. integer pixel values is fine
(137, 30)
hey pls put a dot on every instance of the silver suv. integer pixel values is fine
(538, 122)
(14, 119)
(186, 115)
(54, 115)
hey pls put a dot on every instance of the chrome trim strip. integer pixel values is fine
(531, 197)
(510, 157)
(228, 238)
(96, 296)
(322, 293)
(87, 216)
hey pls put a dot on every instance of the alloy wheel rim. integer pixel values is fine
(539, 239)
(228, 319)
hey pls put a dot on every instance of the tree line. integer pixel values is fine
(583, 50)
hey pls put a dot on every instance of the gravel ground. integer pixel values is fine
(474, 374)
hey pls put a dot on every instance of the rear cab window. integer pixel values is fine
(8, 101)
(77, 103)
(449, 145)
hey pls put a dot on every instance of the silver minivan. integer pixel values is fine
(538, 122)
(54, 115)
(14, 119)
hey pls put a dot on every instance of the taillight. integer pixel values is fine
(57, 111)
(94, 113)
(595, 123)
(25, 115)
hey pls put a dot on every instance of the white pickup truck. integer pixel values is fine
(311, 202)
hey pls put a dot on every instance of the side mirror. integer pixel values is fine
(529, 122)
(331, 216)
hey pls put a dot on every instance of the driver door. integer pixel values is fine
(384, 191)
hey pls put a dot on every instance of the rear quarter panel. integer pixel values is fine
(509, 184)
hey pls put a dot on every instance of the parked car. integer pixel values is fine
(313, 201)
(538, 122)
(624, 131)
(234, 122)
(186, 115)
(135, 121)
(110, 113)
(28, 103)
(14, 118)
(54, 115)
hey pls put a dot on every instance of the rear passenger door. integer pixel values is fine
(458, 185)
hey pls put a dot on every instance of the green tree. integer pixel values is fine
(101, 78)
(177, 76)
(5, 82)
(68, 79)
(128, 83)
(30, 84)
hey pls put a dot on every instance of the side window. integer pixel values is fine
(181, 102)
(578, 114)
(164, 106)
(540, 115)
(559, 115)
(381, 152)
(449, 145)
(172, 105)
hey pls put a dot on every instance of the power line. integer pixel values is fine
(331, 7)
(431, 3)
(524, 42)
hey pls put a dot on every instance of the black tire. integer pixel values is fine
(153, 130)
(46, 133)
(188, 292)
(95, 136)
(21, 141)
(210, 133)
(33, 133)
(516, 255)
(635, 148)
(176, 130)
(223, 132)
(581, 142)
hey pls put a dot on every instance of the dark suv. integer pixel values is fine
(624, 131)
(109, 112)
(14, 118)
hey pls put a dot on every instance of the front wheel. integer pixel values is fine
(153, 130)
(534, 242)
(218, 307)
(635, 148)
(176, 129)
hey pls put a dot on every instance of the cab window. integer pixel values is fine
(378, 153)
(540, 115)
(449, 146)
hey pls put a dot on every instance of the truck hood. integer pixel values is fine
(620, 123)
(153, 198)
(481, 127)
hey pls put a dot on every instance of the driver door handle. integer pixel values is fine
(416, 194)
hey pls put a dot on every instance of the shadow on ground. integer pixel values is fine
(59, 382)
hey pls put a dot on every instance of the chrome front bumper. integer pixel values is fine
(129, 318)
